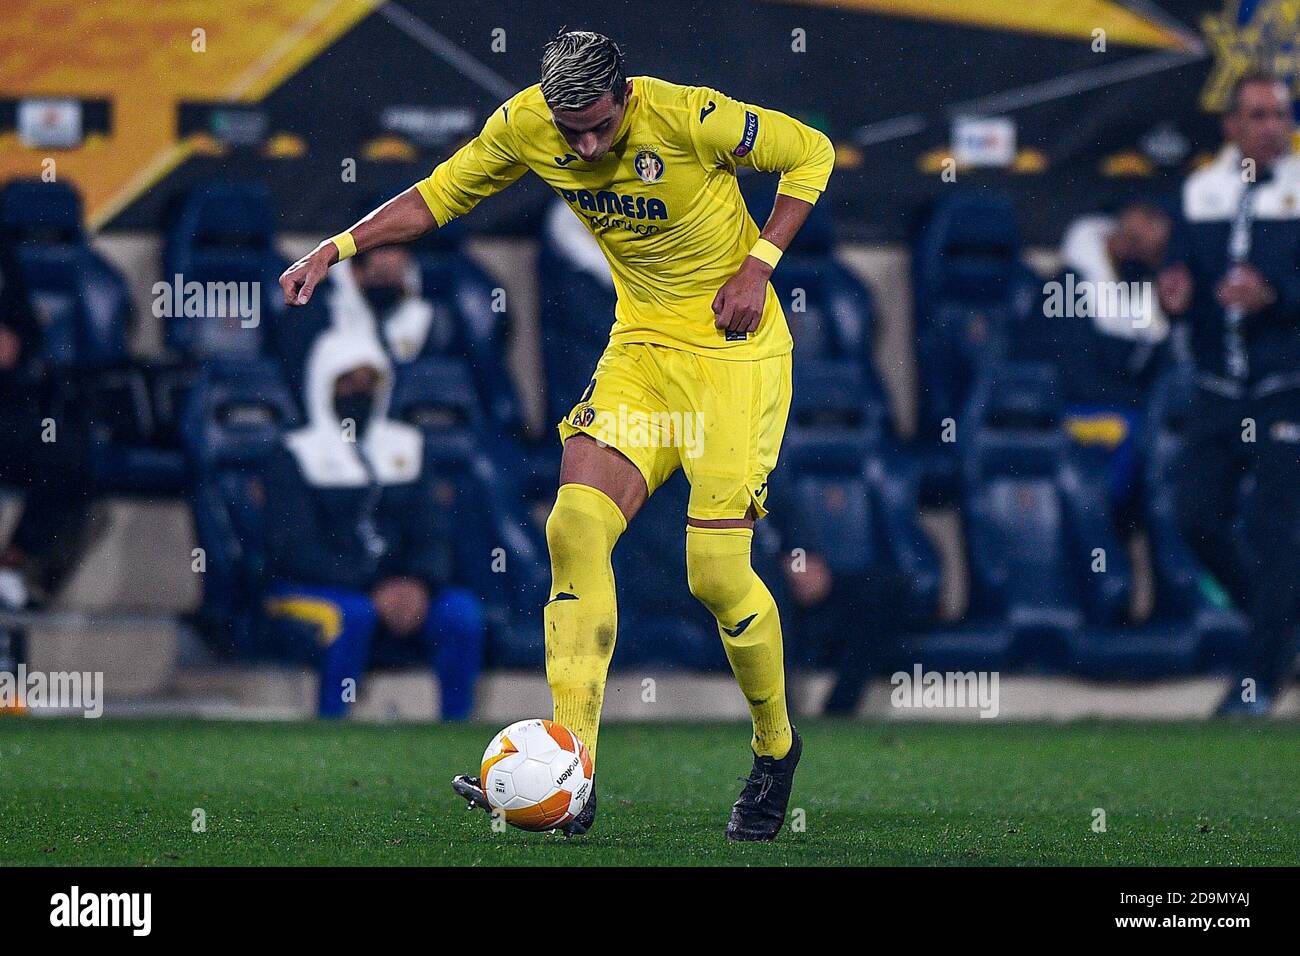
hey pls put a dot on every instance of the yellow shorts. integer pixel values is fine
(719, 420)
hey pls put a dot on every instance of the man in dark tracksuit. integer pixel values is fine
(358, 547)
(1234, 277)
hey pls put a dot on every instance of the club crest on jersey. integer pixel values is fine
(649, 167)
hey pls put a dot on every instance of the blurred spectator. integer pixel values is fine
(859, 574)
(378, 290)
(416, 313)
(358, 547)
(386, 291)
(1234, 277)
(45, 454)
(851, 623)
(1128, 247)
(1104, 332)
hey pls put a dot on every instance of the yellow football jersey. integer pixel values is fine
(662, 203)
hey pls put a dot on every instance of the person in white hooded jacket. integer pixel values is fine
(358, 548)
(385, 290)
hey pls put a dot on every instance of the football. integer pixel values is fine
(537, 773)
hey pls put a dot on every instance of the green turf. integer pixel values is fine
(106, 792)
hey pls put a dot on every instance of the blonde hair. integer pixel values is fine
(579, 67)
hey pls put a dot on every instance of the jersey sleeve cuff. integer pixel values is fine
(809, 194)
(425, 187)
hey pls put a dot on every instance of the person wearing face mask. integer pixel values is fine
(1100, 327)
(387, 284)
(1234, 279)
(383, 290)
(378, 292)
(358, 546)
(1127, 247)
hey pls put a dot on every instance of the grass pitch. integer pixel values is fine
(126, 792)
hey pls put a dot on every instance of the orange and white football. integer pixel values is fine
(537, 773)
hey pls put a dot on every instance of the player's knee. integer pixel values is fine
(583, 524)
(715, 588)
(718, 570)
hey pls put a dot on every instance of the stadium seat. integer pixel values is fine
(497, 557)
(844, 490)
(1034, 517)
(132, 410)
(969, 283)
(233, 422)
(128, 407)
(660, 623)
(437, 395)
(478, 321)
(831, 312)
(859, 512)
(827, 405)
(576, 312)
(82, 300)
(1193, 626)
(223, 233)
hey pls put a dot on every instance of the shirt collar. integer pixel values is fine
(633, 101)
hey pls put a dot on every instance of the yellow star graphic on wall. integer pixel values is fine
(1269, 40)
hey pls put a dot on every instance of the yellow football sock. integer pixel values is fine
(581, 618)
(717, 566)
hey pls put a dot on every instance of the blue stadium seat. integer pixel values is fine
(1193, 626)
(576, 312)
(1034, 517)
(224, 233)
(827, 405)
(437, 395)
(82, 301)
(233, 423)
(831, 312)
(969, 284)
(128, 407)
(844, 491)
(132, 411)
(458, 286)
(858, 511)
(486, 501)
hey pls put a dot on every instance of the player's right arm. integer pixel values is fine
(485, 165)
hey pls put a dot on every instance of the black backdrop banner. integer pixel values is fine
(1081, 115)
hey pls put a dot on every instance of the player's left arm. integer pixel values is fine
(729, 134)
